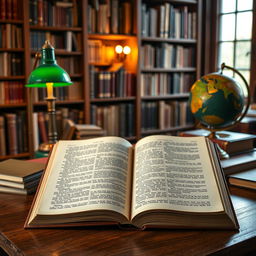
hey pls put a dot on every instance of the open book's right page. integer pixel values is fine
(173, 173)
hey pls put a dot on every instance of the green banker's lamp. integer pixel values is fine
(48, 74)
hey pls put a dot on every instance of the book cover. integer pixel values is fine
(20, 170)
(239, 162)
(231, 142)
(245, 179)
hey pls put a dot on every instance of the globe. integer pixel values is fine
(217, 101)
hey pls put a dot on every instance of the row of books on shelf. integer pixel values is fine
(168, 21)
(72, 92)
(10, 36)
(68, 41)
(10, 10)
(13, 133)
(53, 13)
(163, 84)
(116, 120)
(40, 123)
(11, 92)
(165, 115)
(112, 16)
(10, 64)
(166, 55)
(113, 82)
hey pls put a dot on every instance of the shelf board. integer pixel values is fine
(11, 21)
(21, 155)
(163, 70)
(169, 40)
(50, 28)
(193, 2)
(60, 102)
(11, 49)
(100, 64)
(111, 36)
(61, 52)
(166, 97)
(3, 78)
(112, 100)
(172, 129)
(13, 105)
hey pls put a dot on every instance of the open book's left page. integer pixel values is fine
(86, 175)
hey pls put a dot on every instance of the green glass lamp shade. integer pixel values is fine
(48, 70)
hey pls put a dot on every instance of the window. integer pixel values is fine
(235, 36)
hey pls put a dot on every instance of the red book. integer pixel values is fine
(40, 19)
(9, 9)
(6, 92)
(3, 9)
(15, 9)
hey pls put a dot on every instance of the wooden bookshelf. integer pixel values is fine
(128, 32)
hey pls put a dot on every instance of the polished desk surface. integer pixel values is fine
(113, 241)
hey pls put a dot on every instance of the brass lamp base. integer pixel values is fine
(46, 147)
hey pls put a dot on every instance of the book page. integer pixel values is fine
(87, 175)
(174, 173)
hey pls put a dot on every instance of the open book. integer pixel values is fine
(162, 181)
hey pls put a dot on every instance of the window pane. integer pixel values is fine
(243, 5)
(246, 75)
(244, 25)
(228, 6)
(226, 54)
(227, 31)
(228, 72)
(243, 55)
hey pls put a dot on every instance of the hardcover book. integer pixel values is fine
(20, 171)
(245, 179)
(161, 182)
(231, 142)
(239, 162)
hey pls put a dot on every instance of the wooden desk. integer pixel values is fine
(112, 241)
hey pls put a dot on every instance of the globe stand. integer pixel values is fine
(210, 127)
(222, 153)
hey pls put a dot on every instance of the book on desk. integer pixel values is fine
(161, 182)
(231, 142)
(20, 176)
(244, 179)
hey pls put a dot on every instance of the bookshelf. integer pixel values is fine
(109, 92)
(169, 30)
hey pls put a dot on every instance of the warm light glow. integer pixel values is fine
(118, 49)
(127, 49)
(49, 90)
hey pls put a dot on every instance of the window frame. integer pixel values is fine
(211, 12)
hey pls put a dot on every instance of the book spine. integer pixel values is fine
(3, 9)
(2, 137)
(12, 134)
(40, 14)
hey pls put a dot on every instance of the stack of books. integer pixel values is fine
(81, 131)
(240, 167)
(20, 176)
